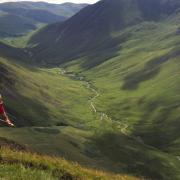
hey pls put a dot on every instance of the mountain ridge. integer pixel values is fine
(96, 23)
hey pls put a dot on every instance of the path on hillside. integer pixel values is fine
(103, 116)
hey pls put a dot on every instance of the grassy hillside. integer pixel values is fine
(22, 164)
(12, 25)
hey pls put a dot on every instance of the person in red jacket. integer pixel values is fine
(3, 113)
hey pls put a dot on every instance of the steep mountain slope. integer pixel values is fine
(92, 27)
(17, 18)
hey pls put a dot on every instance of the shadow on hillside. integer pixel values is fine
(27, 111)
(13, 145)
(7, 51)
(21, 109)
(96, 45)
(6, 76)
(150, 70)
(132, 157)
(17, 56)
(105, 51)
(159, 126)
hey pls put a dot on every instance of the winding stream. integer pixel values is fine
(103, 116)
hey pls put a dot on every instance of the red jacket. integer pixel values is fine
(2, 110)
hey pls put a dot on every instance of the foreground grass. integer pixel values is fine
(23, 165)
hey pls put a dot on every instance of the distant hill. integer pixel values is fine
(64, 9)
(18, 18)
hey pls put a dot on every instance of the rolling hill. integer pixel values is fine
(19, 18)
(64, 9)
(101, 88)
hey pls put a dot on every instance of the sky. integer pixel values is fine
(56, 1)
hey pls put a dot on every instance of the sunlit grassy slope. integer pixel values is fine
(24, 165)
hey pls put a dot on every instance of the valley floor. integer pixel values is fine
(92, 143)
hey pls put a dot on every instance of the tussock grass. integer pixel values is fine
(23, 165)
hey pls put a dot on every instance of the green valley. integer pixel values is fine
(101, 89)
